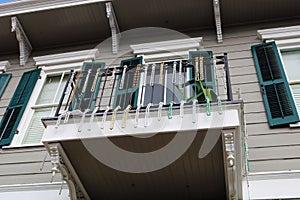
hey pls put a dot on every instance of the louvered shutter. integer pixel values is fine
(87, 99)
(4, 79)
(17, 105)
(278, 100)
(129, 94)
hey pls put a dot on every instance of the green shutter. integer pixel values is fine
(4, 79)
(129, 94)
(278, 100)
(17, 105)
(86, 100)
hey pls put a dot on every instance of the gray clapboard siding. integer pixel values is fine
(272, 153)
(280, 139)
(30, 178)
(25, 168)
(22, 155)
(263, 129)
(275, 165)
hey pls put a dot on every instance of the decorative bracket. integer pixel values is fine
(115, 31)
(218, 20)
(24, 43)
(61, 164)
(230, 163)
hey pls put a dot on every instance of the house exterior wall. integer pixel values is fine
(270, 150)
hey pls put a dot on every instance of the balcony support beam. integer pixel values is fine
(217, 13)
(115, 31)
(62, 164)
(24, 43)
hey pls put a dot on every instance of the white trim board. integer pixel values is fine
(285, 37)
(3, 66)
(275, 188)
(69, 57)
(167, 49)
(28, 6)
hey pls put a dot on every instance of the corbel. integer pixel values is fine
(61, 163)
(115, 31)
(218, 20)
(24, 43)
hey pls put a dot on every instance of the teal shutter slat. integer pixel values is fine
(4, 79)
(86, 99)
(278, 100)
(17, 105)
(129, 94)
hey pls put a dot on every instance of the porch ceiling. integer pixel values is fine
(87, 22)
(187, 178)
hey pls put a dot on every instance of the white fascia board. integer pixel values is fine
(275, 189)
(28, 6)
(4, 65)
(69, 57)
(169, 46)
(279, 33)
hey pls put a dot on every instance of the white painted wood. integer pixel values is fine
(29, 6)
(275, 189)
(229, 118)
(69, 57)
(4, 65)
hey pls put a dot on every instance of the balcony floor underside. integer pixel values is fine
(188, 177)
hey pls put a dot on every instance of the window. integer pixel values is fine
(276, 93)
(286, 43)
(17, 106)
(45, 105)
(291, 60)
(4, 79)
(53, 74)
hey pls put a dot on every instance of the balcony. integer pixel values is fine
(109, 140)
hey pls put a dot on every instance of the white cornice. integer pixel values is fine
(285, 37)
(4, 65)
(28, 6)
(63, 58)
(170, 49)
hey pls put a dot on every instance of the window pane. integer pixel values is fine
(296, 94)
(291, 60)
(36, 128)
(48, 92)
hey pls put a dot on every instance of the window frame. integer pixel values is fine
(50, 65)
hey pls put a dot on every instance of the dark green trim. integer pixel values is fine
(4, 79)
(128, 90)
(274, 83)
(17, 106)
(82, 100)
